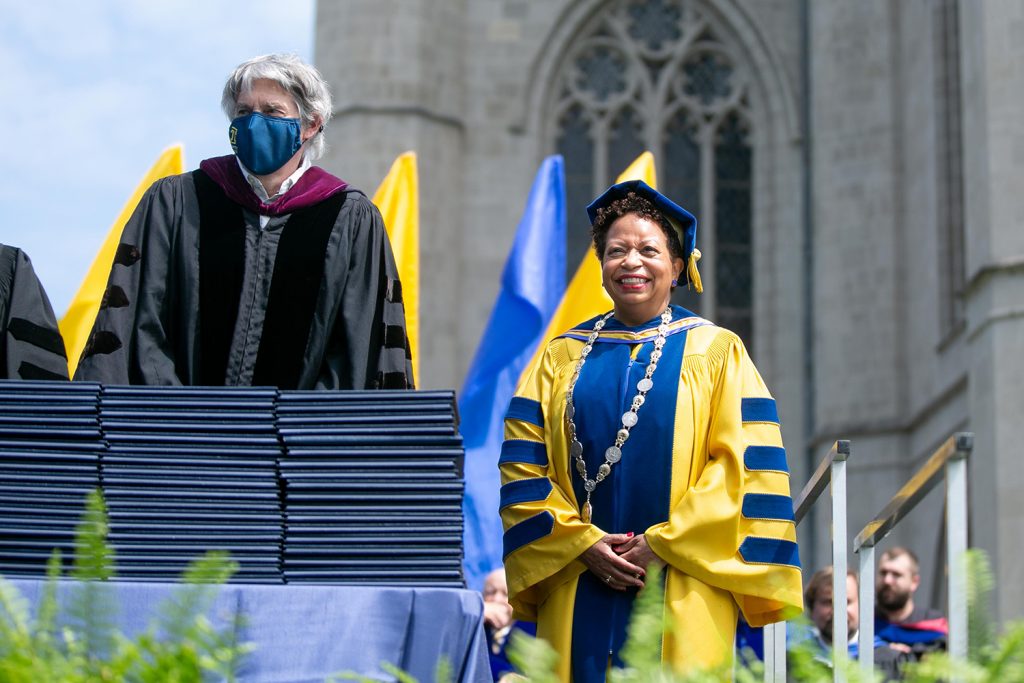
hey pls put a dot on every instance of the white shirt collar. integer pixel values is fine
(288, 184)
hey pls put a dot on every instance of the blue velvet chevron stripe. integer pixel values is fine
(527, 531)
(768, 458)
(525, 409)
(768, 506)
(759, 410)
(756, 550)
(521, 450)
(524, 491)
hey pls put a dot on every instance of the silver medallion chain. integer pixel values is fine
(629, 418)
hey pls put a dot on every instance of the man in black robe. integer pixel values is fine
(30, 343)
(258, 268)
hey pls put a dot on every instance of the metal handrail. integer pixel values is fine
(831, 470)
(820, 479)
(949, 460)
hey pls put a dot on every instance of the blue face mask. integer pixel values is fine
(265, 143)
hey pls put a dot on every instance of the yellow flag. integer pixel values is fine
(585, 297)
(76, 324)
(399, 202)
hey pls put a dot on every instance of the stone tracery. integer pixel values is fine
(656, 75)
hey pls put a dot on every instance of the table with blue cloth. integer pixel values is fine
(306, 633)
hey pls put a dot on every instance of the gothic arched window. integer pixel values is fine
(655, 75)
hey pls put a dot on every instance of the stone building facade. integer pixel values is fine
(857, 169)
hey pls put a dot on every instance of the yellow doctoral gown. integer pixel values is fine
(704, 472)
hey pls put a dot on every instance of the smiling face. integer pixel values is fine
(637, 269)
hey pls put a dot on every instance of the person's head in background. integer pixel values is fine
(495, 588)
(497, 610)
(898, 579)
(818, 602)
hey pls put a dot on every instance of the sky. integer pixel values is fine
(97, 90)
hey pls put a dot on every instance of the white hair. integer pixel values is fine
(305, 84)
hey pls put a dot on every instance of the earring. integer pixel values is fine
(675, 282)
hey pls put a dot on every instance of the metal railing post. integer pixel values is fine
(840, 631)
(956, 544)
(866, 610)
(949, 459)
(775, 653)
(830, 472)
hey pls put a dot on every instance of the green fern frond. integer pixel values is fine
(94, 557)
(220, 651)
(214, 567)
(642, 650)
(1006, 662)
(939, 667)
(443, 673)
(181, 620)
(176, 617)
(45, 635)
(979, 582)
(92, 608)
(803, 665)
(400, 676)
(15, 617)
(534, 658)
(350, 676)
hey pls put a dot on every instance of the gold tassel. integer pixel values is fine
(691, 271)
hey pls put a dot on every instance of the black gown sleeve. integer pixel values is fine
(129, 342)
(368, 346)
(31, 342)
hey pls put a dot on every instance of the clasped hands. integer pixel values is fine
(619, 560)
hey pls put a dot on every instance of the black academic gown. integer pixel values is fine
(200, 294)
(30, 343)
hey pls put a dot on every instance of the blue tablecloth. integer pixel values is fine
(308, 632)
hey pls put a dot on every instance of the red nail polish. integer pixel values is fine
(629, 535)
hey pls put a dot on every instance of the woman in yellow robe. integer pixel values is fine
(702, 484)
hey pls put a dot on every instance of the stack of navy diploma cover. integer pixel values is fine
(188, 470)
(372, 487)
(345, 487)
(50, 445)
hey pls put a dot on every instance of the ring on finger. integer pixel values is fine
(608, 579)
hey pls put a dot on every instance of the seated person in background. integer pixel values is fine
(30, 343)
(900, 622)
(498, 623)
(258, 268)
(818, 602)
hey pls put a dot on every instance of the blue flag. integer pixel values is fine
(532, 284)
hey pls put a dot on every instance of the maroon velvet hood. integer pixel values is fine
(313, 187)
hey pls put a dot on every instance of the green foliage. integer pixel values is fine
(981, 632)
(991, 659)
(642, 650)
(443, 674)
(82, 645)
(387, 667)
(92, 609)
(444, 671)
(533, 657)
